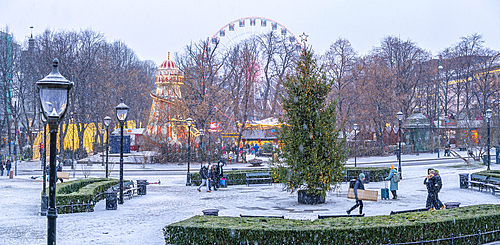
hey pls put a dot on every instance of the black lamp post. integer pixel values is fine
(107, 121)
(400, 117)
(355, 143)
(189, 122)
(54, 92)
(488, 116)
(418, 139)
(202, 132)
(121, 113)
(43, 159)
(437, 107)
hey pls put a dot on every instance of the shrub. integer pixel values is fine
(233, 177)
(237, 177)
(81, 192)
(401, 228)
(27, 153)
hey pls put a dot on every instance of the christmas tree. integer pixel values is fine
(313, 150)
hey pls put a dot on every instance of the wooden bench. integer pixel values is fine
(62, 175)
(493, 184)
(258, 176)
(340, 216)
(264, 216)
(478, 180)
(409, 211)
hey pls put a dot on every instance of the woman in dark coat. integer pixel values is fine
(431, 183)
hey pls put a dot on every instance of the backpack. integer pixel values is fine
(396, 177)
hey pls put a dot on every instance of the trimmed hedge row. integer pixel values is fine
(73, 186)
(81, 193)
(376, 173)
(238, 177)
(234, 177)
(492, 173)
(400, 228)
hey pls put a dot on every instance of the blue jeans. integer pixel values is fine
(1, 172)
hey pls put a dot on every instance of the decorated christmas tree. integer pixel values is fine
(312, 146)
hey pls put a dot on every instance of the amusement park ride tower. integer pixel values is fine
(165, 125)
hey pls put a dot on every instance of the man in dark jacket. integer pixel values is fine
(7, 167)
(358, 185)
(1, 168)
(59, 169)
(204, 177)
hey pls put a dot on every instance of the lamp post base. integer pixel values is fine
(188, 180)
(43, 211)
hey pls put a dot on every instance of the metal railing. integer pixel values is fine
(451, 239)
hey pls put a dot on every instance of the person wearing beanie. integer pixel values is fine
(394, 185)
(358, 185)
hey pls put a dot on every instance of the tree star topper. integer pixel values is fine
(303, 37)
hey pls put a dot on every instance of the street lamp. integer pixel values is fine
(418, 139)
(488, 115)
(107, 121)
(121, 113)
(440, 67)
(355, 143)
(54, 92)
(202, 132)
(189, 122)
(400, 117)
(43, 159)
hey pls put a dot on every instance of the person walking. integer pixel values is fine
(430, 182)
(256, 149)
(213, 176)
(204, 177)
(394, 182)
(59, 169)
(1, 168)
(439, 185)
(358, 186)
(8, 167)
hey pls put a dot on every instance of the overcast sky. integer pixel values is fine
(153, 28)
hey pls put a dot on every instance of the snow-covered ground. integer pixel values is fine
(140, 220)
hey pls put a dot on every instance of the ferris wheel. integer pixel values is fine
(238, 30)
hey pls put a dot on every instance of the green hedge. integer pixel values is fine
(81, 192)
(401, 228)
(234, 177)
(376, 173)
(492, 173)
(237, 177)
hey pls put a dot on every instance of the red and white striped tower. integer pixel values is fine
(165, 125)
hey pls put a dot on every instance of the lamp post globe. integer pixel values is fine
(355, 127)
(400, 117)
(107, 121)
(189, 122)
(488, 116)
(202, 132)
(121, 114)
(54, 92)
